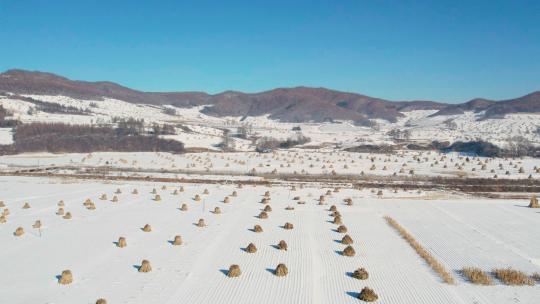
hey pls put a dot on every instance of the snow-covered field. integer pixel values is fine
(298, 161)
(458, 230)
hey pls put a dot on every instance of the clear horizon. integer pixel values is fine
(444, 51)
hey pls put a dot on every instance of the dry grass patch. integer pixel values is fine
(360, 274)
(281, 270)
(288, 226)
(201, 223)
(251, 248)
(145, 266)
(347, 240)
(282, 245)
(349, 251)
(534, 202)
(342, 229)
(511, 276)
(121, 242)
(476, 276)
(177, 240)
(368, 295)
(421, 251)
(234, 271)
(66, 277)
(19, 231)
(147, 228)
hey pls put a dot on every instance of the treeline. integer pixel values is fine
(65, 138)
(266, 144)
(51, 107)
(516, 148)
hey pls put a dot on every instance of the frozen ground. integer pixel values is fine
(459, 231)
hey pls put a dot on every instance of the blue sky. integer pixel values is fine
(400, 50)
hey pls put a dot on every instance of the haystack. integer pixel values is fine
(115, 199)
(267, 194)
(147, 228)
(37, 224)
(206, 191)
(60, 211)
(19, 231)
(154, 191)
(282, 245)
(289, 208)
(67, 216)
(251, 248)
(118, 191)
(177, 240)
(26, 206)
(135, 191)
(61, 204)
(288, 226)
(267, 208)
(145, 266)
(201, 223)
(197, 198)
(3, 219)
(101, 301)
(368, 295)
(349, 251)
(234, 271)
(257, 228)
(157, 198)
(263, 215)
(2, 204)
(333, 208)
(217, 210)
(337, 220)
(184, 207)
(360, 274)
(346, 240)
(342, 229)
(103, 197)
(5, 212)
(281, 270)
(121, 242)
(234, 194)
(66, 277)
(534, 202)
(226, 200)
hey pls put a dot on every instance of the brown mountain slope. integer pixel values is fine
(298, 104)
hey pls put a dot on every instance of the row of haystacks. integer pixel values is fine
(366, 294)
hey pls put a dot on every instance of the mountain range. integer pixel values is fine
(299, 104)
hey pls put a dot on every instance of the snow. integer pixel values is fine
(459, 231)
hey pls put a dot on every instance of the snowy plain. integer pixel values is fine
(459, 230)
